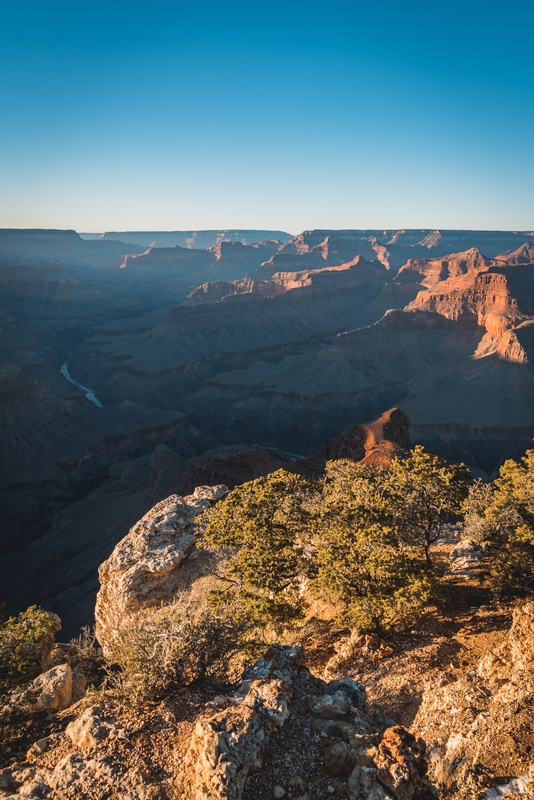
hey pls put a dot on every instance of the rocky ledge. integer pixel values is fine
(282, 733)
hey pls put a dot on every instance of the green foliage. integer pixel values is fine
(173, 645)
(360, 540)
(515, 494)
(502, 515)
(361, 560)
(21, 638)
(264, 524)
(426, 491)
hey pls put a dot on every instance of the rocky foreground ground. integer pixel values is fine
(441, 711)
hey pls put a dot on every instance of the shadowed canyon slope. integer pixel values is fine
(287, 361)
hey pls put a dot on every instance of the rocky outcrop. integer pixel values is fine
(374, 443)
(268, 740)
(281, 733)
(522, 255)
(484, 299)
(91, 727)
(145, 567)
(230, 744)
(331, 251)
(429, 272)
(480, 727)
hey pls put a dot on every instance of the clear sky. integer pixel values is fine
(288, 115)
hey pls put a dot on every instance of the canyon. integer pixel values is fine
(220, 357)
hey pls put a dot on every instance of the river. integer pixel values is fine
(88, 392)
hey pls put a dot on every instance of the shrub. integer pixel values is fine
(173, 645)
(23, 640)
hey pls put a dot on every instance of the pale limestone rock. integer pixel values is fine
(467, 559)
(521, 639)
(342, 700)
(54, 688)
(144, 568)
(483, 722)
(230, 744)
(90, 728)
(75, 770)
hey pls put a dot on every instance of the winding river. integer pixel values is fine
(88, 392)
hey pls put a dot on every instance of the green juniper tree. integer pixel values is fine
(361, 560)
(502, 515)
(426, 491)
(264, 524)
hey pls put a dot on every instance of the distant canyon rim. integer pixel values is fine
(220, 353)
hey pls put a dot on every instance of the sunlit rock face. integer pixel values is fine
(146, 567)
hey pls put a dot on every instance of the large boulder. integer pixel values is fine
(145, 567)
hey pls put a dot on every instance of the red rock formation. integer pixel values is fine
(483, 299)
(523, 255)
(373, 443)
(430, 272)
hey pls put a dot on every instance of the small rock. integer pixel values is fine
(39, 747)
(278, 792)
(90, 728)
(340, 758)
(34, 789)
(6, 779)
(342, 700)
(54, 688)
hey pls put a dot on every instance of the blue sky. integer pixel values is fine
(169, 115)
